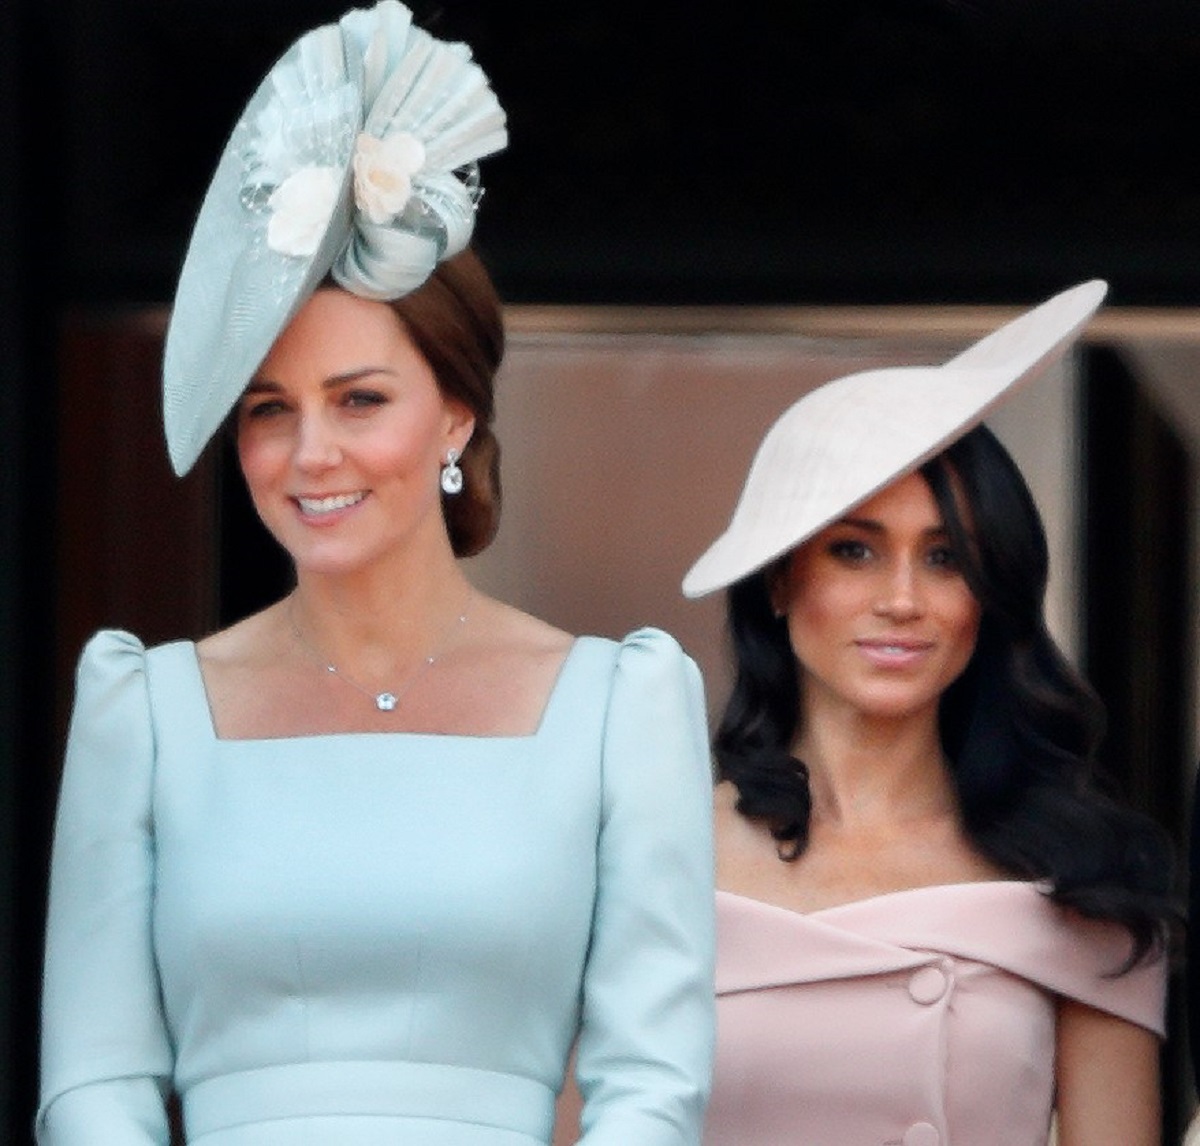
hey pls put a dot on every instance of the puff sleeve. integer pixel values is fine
(644, 1053)
(106, 1055)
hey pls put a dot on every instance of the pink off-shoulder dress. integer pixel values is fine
(923, 1017)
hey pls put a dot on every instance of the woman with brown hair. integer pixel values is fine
(363, 867)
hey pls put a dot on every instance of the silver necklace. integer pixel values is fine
(385, 701)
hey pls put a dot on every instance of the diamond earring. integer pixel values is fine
(452, 475)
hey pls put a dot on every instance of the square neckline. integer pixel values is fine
(551, 703)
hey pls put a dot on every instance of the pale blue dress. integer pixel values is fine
(369, 939)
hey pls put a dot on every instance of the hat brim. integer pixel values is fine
(284, 209)
(848, 439)
(236, 294)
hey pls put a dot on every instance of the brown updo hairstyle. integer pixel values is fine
(456, 321)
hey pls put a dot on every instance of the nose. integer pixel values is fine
(317, 447)
(900, 592)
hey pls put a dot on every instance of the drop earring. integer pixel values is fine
(452, 475)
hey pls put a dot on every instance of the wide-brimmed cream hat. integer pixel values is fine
(844, 441)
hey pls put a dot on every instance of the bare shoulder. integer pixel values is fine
(244, 665)
(725, 797)
(747, 854)
(734, 831)
(509, 666)
(732, 828)
(246, 644)
(503, 627)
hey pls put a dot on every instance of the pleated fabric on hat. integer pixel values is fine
(355, 158)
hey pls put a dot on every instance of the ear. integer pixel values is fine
(460, 424)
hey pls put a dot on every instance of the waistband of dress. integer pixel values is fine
(401, 1089)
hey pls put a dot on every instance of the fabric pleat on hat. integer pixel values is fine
(290, 160)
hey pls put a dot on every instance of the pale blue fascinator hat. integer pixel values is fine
(356, 158)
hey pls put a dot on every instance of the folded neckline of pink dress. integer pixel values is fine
(1011, 925)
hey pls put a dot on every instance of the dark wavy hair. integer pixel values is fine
(1020, 726)
(455, 318)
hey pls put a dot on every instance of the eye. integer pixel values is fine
(944, 557)
(851, 550)
(363, 399)
(254, 408)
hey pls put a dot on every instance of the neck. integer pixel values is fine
(864, 771)
(378, 622)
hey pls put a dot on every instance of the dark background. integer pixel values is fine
(876, 152)
(879, 151)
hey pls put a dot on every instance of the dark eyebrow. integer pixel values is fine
(266, 386)
(869, 525)
(864, 523)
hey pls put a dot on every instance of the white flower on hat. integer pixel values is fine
(282, 187)
(383, 173)
(301, 208)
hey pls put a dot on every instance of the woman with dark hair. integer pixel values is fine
(366, 866)
(934, 926)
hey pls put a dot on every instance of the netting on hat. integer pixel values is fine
(356, 157)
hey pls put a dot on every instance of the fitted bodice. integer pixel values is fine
(378, 938)
(919, 1018)
(372, 917)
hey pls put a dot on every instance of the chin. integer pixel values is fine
(326, 562)
(893, 707)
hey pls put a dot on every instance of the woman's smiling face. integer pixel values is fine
(879, 615)
(342, 434)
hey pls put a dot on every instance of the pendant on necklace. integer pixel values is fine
(384, 701)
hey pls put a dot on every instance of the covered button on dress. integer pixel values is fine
(917, 1018)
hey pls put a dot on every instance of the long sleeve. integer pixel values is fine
(644, 1055)
(106, 1054)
